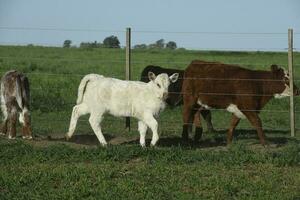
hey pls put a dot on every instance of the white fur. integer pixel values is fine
(234, 109)
(21, 116)
(3, 106)
(121, 98)
(203, 105)
(286, 93)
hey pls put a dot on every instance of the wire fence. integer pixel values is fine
(166, 124)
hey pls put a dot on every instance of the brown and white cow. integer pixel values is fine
(15, 98)
(243, 92)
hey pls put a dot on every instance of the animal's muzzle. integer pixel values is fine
(165, 95)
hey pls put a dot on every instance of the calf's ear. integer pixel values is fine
(151, 76)
(174, 77)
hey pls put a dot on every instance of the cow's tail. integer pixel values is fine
(83, 84)
(19, 92)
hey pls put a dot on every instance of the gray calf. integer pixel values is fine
(15, 99)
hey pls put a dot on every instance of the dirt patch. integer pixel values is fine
(79, 141)
(209, 144)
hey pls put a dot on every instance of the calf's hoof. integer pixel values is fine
(67, 137)
(211, 130)
(185, 137)
(27, 137)
(103, 144)
(11, 138)
(198, 134)
(153, 142)
(143, 145)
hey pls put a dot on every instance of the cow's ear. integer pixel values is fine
(174, 77)
(274, 68)
(151, 76)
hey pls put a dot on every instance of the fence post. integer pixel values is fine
(291, 74)
(128, 66)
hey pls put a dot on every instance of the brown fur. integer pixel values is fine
(218, 85)
(15, 99)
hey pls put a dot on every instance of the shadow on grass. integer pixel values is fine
(81, 139)
(215, 139)
(278, 137)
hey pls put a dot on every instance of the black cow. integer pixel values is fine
(175, 97)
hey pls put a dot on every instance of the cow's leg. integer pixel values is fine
(3, 128)
(206, 114)
(12, 123)
(78, 111)
(234, 122)
(198, 126)
(24, 119)
(188, 115)
(95, 119)
(142, 129)
(256, 123)
(151, 122)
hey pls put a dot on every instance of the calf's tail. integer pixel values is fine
(83, 84)
(19, 91)
(22, 91)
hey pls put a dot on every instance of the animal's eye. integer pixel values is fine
(158, 85)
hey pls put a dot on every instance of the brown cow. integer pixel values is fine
(15, 98)
(243, 92)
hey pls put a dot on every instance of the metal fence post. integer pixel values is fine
(128, 66)
(291, 74)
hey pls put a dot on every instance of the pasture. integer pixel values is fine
(51, 168)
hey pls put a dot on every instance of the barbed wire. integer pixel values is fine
(224, 109)
(133, 61)
(117, 75)
(59, 29)
(187, 48)
(140, 31)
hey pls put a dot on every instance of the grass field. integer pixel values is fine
(50, 168)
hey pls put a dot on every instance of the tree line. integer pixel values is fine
(113, 42)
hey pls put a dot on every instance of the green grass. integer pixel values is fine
(129, 172)
(50, 168)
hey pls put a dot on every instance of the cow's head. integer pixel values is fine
(282, 82)
(161, 83)
(175, 96)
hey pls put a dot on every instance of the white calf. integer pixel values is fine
(98, 95)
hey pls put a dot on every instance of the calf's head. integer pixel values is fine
(282, 82)
(161, 83)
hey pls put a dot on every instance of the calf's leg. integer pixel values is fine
(95, 120)
(188, 115)
(198, 126)
(12, 122)
(3, 128)
(142, 129)
(24, 119)
(256, 123)
(206, 114)
(78, 111)
(233, 124)
(151, 122)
